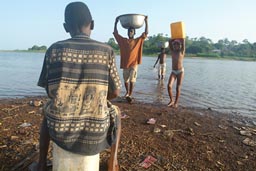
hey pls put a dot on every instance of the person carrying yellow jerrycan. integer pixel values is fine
(177, 48)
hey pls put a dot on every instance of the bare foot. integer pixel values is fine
(175, 105)
(170, 104)
(129, 99)
(126, 95)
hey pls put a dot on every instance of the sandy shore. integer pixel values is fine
(181, 139)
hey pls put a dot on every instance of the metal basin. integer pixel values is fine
(132, 20)
(163, 44)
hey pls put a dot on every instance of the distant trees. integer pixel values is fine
(151, 43)
(200, 47)
(113, 44)
(37, 48)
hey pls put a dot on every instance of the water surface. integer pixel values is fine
(228, 86)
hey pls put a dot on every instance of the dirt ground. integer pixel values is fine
(183, 139)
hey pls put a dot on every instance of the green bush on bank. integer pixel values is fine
(212, 55)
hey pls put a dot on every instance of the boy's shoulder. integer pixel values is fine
(100, 43)
(72, 43)
(60, 42)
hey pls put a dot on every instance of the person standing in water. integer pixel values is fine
(131, 56)
(162, 64)
(177, 47)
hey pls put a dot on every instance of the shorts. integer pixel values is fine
(115, 119)
(161, 69)
(177, 72)
(130, 74)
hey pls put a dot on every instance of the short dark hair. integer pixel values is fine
(77, 14)
(131, 28)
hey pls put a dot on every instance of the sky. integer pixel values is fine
(25, 23)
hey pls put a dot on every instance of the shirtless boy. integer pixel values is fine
(162, 65)
(177, 47)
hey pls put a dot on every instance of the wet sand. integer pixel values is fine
(181, 139)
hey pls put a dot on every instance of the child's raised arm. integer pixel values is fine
(157, 60)
(170, 44)
(183, 46)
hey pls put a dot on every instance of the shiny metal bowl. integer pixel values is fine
(132, 20)
(163, 44)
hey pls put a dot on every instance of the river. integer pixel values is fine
(223, 85)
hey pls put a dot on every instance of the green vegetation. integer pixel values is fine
(37, 48)
(201, 47)
(195, 47)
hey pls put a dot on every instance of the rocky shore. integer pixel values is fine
(185, 139)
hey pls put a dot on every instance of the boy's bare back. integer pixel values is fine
(162, 58)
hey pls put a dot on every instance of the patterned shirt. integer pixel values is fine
(77, 74)
(130, 50)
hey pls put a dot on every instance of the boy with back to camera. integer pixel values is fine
(80, 76)
(162, 64)
(177, 47)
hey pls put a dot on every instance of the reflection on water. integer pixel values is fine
(228, 86)
(160, 91)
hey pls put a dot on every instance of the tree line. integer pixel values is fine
(201, 47)
(37, 48)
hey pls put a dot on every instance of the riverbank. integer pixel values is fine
(237, 58)
(23, 51)
(181, 139)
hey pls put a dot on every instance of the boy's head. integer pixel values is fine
(176, 45)
(131, 32)
(77, 16)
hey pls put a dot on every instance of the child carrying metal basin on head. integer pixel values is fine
(130, 53)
